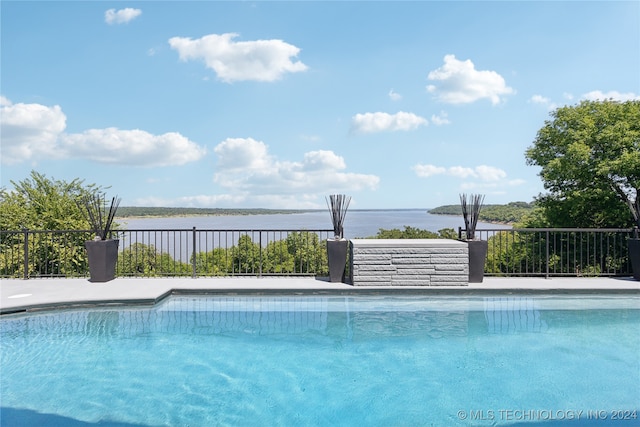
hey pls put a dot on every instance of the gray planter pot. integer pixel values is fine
(477, 258)
(103, 255)
(634, 257)
(337, 257)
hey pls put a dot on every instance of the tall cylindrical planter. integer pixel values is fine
(634, 257)
(103, 255)
(337, 257)
(477, 258)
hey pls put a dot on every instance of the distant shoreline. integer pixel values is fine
(138, 213)
(133, 212)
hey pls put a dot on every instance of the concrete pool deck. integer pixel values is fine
(18, 295)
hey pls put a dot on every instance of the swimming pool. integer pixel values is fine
(327, 360)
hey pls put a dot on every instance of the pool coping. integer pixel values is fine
(18, 295)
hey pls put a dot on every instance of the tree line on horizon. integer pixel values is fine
(511, 213)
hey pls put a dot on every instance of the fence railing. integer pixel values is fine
(556, 251)
(193, 252)
(186, 252)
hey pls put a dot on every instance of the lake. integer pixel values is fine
(358, 223)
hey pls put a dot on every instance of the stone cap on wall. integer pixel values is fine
(407, 243)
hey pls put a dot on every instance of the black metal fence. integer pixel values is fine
(191, 252)
(556, 251)
(187, 252)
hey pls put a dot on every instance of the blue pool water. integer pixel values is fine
(327, 361)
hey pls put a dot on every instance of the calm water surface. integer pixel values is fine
(357, 223)
(327, 361)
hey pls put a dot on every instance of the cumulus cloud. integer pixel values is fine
(29, 131)
(426, 171)
(122, 16)
(242, 153)
(35, 131)
(482, 172)
(259, 60)
(245, 167)
(132, 147)
(539, 99)
(478, 178)
(544, 101)
(597, 95)
(394, 96)
(380, 122)
(440, 119)
(458, 82)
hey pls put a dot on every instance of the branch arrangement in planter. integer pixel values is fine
(99, 218)
(102, 252)
(471, 206)
(338, 205)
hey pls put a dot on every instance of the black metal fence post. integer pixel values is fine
(260, 254)
(193, 255)
(546, 276)
(26, 252)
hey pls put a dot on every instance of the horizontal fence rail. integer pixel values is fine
(193, 252)
(186, 252)
(577, 252)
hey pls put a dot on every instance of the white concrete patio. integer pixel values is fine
(20, 295)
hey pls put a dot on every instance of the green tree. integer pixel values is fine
(277, 258)
(41, 203)
(415, 233)
(245, 255)
(589, 156)
(309, 253)
(216, 262)
(140, 259)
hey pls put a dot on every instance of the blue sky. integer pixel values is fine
(278, 104)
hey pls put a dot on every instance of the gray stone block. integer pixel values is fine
(419, 262)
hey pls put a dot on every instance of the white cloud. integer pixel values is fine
(242, 153)
(441, 119)
(458, 82)
(311, 138)
(489, 173)
(131, 147)
(483, 172)
(260, 60)
(539, 99)
(460, 172)
(426, 171)
(34, 131)
(246, 167)
(380, 122)
(122, 16)
(395, 96)
(322, 160)
(484, 178)
(544, 101)
(29, 131)
(597, 95)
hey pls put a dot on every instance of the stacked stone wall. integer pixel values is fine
(409, 262)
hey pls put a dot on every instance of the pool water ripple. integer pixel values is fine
(322, 360)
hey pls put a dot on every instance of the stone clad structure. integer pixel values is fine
(409, 262)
